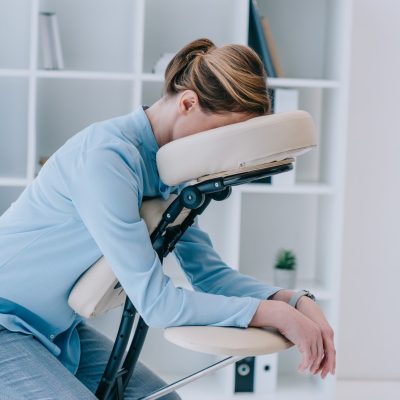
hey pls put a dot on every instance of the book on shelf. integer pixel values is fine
(50, 40)
(261, 40)
(272, 47)
(256, 38)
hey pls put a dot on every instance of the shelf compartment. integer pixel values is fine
(13, 125)
(195, 20)
(64, 107)
(304, 224)
(300, 34)
(15, 37)
(90, 39)
(275, 222)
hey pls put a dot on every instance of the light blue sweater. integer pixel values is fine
(84, 203)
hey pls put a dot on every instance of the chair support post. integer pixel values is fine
(134, 350)
(114, 362)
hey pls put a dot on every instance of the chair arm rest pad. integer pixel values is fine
(232, 341)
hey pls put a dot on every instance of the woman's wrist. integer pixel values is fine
(270, 313)
(303, 300)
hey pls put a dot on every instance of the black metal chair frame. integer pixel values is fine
(196, 198)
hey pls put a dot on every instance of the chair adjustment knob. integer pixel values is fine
(222, 194)
(191, 197)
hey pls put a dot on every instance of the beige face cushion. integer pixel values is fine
(244, 146)
(233, 147)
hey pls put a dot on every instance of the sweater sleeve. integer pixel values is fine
(106, 191)
(207, 272)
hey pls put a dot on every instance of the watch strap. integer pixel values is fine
(295, 297)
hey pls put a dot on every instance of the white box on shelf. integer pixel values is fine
(265, 373)
(285, 100)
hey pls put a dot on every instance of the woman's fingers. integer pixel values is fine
(319, 352)
(310, 355)
(330, 355)
(306, 358)
(311, 347)
(321, 366)
(317, 348)
(314, 353)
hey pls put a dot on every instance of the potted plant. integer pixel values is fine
(285, 269)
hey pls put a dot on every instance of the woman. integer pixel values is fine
(85, 203)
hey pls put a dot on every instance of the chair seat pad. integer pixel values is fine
(256, 141)
(228, 340)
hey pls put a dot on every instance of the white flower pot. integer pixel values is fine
(285, 278)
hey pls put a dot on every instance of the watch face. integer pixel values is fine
(310, 295)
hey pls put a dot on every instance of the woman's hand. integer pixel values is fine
(311, 310)
(299, 329)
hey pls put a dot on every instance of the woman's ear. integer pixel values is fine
(188, 101)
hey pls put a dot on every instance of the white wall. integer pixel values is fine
(370, 304)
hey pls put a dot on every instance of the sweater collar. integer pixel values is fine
(146, 134)
(148, 142)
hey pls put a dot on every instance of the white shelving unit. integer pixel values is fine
(109, 49)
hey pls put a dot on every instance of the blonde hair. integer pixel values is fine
(230, 78)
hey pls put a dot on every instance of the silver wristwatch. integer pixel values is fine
(295, 297)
